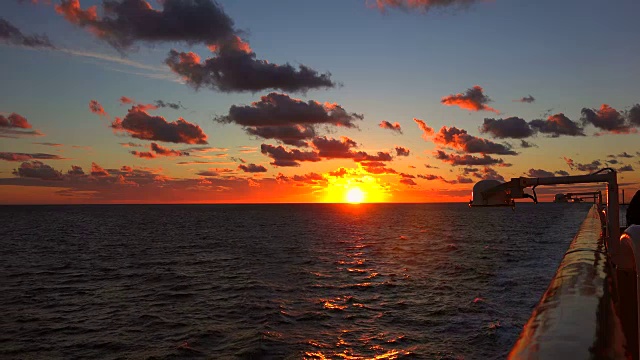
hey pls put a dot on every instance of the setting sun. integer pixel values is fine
(355, 196)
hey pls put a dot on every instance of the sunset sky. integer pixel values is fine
(133, 101)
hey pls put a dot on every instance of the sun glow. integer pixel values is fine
(355, 195)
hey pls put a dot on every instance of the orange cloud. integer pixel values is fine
(472, 99)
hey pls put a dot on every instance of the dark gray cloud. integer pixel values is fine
(409, 182)
(140, 125)
(488, 173)
(525, 144)
(460, 140)
(37, 170)
(393, 127)
(126, 22)
(539, 173)
(557, 125)
(472, 99)
(468, 160)
(512, 128)
(295, 135)
(310, 178)
(334, 148)
(158, 150)
(12, 35)
(288, 120)
(561, 173)
(634, 115)
(166, 104)
(588, 167)
(430, 177)
(252, 168)
(75, 171)
(526, 99)
(625, 168)
(232, 70)
(12, 156)
(402, 151)
(379, 156)
(277, 109)
(606, 118)
(284, 157)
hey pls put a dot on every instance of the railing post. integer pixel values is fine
(613, 219)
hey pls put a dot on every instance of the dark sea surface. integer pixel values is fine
(423, 281)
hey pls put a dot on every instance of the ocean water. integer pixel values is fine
(316, 281)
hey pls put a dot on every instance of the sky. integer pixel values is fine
(196, 101)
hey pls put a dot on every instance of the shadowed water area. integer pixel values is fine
(420, 281)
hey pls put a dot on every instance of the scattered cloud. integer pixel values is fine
(557, 125)
(12, 35)
(420, 5)
(130, 144)
(539, 173)
(37, 170)
(472, 99)
(526, 99)
(284, 157)
(252, 168)
(98, 171)
(276, 109)
(48, 144)
(12, 156)
(288, 120)
(126, 22)
(295, 135)
(402, 151)
(140, 125)
(158, 150)
(625, 155)
(14, 121)
(16, 125)
(625, 168)
(634, 115)
(408, 182)
(460, 140)
(393, 127)
(512, 127)
(525, 144)
(590, 167)
(607, 119)
(457, 160)
(334, 148)
(232, 70)
(96, 108)
(427, 131)
(166, 104)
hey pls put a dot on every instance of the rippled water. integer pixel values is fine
(274, 281)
